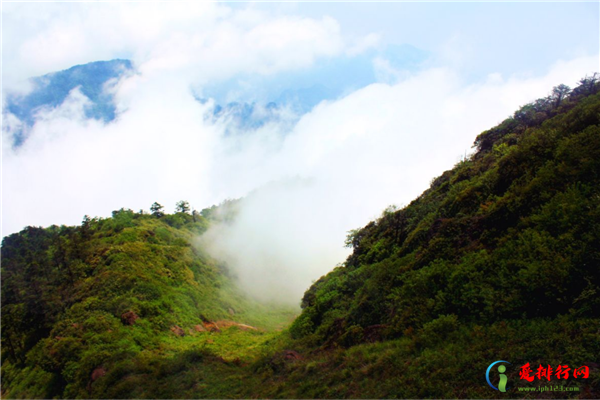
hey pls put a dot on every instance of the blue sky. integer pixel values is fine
(394, 94)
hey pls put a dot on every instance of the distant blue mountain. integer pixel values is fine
(51, 90)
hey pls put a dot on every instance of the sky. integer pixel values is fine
(397, 94)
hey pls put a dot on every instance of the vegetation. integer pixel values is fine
(102, 309)
(498, 260)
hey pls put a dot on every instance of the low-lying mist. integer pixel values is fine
(284, 236)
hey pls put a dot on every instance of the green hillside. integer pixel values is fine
(498, 260)
(107, 308)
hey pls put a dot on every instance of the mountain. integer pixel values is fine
(498, 260)
(51, 90)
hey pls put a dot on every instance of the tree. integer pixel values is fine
(587, 86)
(559, 93)
(182, 206)
(157, 210)
(85, 226)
